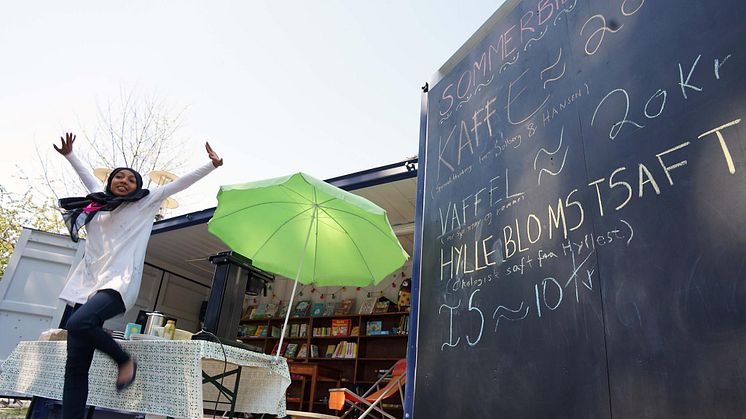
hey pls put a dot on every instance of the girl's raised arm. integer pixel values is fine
(66, 149)
(187, 180)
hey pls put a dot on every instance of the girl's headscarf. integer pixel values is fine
(79, 211)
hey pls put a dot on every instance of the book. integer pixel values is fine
(321, 331)
(314, 351)
(260, 312)
(282, 309)
(403, 327)
(329, 308)
(349, 350)
(303, 330)
(302, 308)
(274, 349)
(271, 310)
(303, 352)
(259, 330)
(338, 350)
(345, 350)
(341, 327)
(367, 306)
(248, 312)
(294, 330)
(245, 304)
(276, 332)
(250, 329)
(355, 331)
(330, 350)
(344, 307)
(382, 305)
(291, 349)
(373, 327)
(317, 310)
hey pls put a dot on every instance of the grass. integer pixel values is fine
(13, 412)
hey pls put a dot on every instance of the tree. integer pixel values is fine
(18, 211)
(138, 132)
(134, 131)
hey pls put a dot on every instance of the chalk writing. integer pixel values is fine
(617, 126)
(513, 315)
(597, 34)
(473, 307)
(547, 295)
(513, 97)
(450, 342)
(465, 211)
(550, 113)
(596, 37)
(556, 63)
(723, 146)
(501, 53)
(551, 153)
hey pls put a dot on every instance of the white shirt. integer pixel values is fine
(116, 240)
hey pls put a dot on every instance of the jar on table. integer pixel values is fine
(169, 331)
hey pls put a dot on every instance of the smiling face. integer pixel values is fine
(123, 183)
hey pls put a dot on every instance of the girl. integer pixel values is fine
(106, 282)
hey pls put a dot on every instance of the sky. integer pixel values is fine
(326, 87)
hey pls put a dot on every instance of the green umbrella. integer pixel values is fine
(304, 228)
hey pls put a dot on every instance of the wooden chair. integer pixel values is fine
(371, 399)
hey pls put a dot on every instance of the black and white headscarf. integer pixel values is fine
(79, 211)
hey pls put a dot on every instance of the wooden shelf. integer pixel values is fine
(333, 337)
(398, 335)
(396, 313)
(374, 352)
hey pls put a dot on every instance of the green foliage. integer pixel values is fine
(18, 211)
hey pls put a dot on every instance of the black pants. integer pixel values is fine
(85, 333)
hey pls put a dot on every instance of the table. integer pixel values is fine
(169, 377)
(316, 372)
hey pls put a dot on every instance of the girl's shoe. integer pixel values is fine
(124, 385)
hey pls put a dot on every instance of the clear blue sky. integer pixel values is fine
(327, 87)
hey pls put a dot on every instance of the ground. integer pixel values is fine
(12, 409)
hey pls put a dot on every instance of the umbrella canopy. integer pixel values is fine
(306, 229)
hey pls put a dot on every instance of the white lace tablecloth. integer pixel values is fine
(169, 377)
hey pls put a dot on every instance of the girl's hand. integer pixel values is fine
(67, 144)
(216, 161)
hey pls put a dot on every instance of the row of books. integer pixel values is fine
(305, 308)
(294, 350)
(336, 331)
(339, 328)
(264, 311)
(260, 330)
(403, 327)
(375, 327)
(343, 349)
(294, 330)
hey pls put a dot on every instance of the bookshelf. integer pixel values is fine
(381, 341)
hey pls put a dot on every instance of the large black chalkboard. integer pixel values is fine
(583, 216)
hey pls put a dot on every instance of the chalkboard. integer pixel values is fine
(583, 216)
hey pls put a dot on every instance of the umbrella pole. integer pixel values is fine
(295, 283)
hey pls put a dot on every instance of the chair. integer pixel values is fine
(371, 399)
